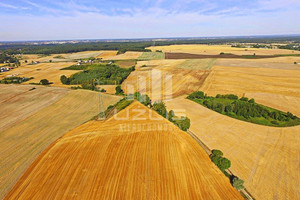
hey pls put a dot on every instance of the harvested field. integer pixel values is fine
(152, 56)
(19, 102)
(110, 89)
(267, 158)
(126, 63)
(163, 80)
(280, 102)
(115, 159)
(65, 57)
(129, 55)
(197, 64)
(50, 71)
(22, 143)
(258, 63)
(200, 56)
(217, 49)
(241, 80)
(107, 54)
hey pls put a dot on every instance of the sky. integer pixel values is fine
(120, 19)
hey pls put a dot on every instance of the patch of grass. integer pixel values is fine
(152, 56)
(197, 64)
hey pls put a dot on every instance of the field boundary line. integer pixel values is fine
(244, 191)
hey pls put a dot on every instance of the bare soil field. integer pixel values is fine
(19, 102)
(241, 80)
(162, 80)
(50, 71)
(129, 55)
(267, 158)
(23, 142)
(217, 49)
(116, 159)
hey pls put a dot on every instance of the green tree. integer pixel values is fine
(44, 82)
(237, 183)
(217, 152)
(160, 108)
(64, 80)
(244, 99)
(119, 90)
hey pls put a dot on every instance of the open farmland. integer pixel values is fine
(128, 55)
(272, 63)
(107, 54)
(116, 159)
(267, 158)
(22, 143)
(241, 80)
(162, 79)
(19, 102)
(126, 63)
(197, 64)
(65, 57)
(152, 56)
(50, 71)
(217, 49)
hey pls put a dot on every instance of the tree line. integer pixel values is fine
(245, 109)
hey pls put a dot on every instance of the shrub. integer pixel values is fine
(244, 99)
(217, 152)
(237, 183)
(171, 115)
(183, 123)
(119, 90)
(144, 99)
(196, 95)
(44, 82)
(160, 108)
(64, 80)
(251, 101)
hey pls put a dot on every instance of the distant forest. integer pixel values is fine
(121, 47)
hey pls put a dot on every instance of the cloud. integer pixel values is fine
(83, 20)
(8, 6)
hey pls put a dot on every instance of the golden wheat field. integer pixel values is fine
(40, 124)
(267, 158)
(64, 57)
(50, 71)
(128, 55)
(107, 54)
(217, 49)
(164, 79)
(241, 80)
(20, 101)
(117, 159)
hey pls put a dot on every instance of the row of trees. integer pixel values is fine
(243, 108)
(223, 164)
(15, 48)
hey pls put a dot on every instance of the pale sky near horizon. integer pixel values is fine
(114, 19)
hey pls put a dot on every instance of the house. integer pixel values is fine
(78, 63)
